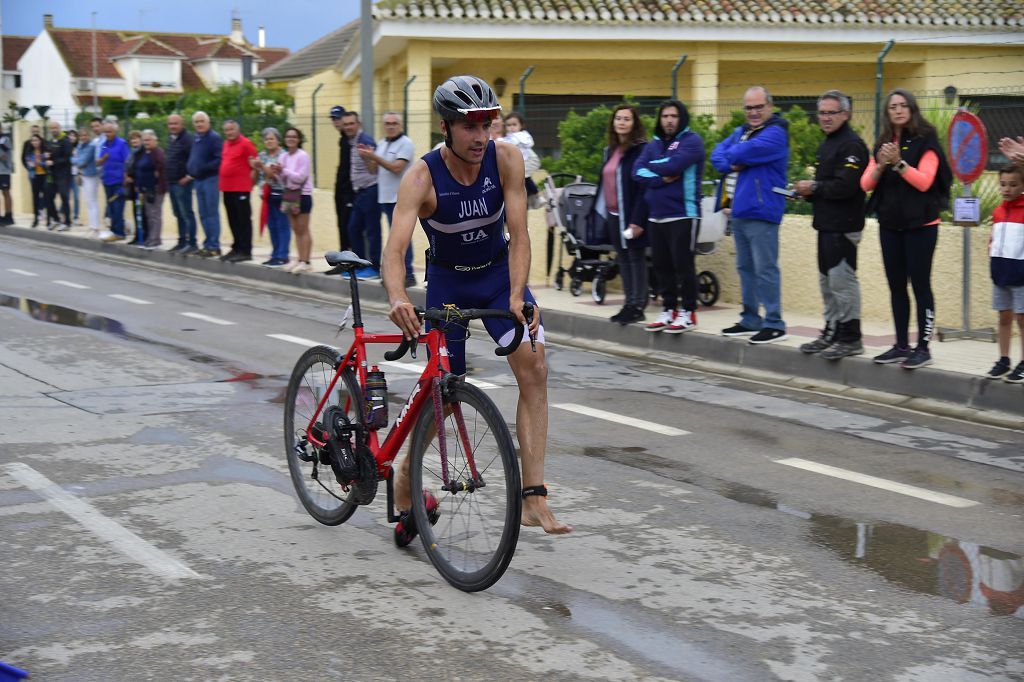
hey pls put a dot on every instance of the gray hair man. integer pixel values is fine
(201, 169)
(179, 184)
(838, 202)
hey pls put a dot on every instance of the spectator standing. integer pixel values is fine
(113, 154)
(909, 181)
(6, 169)
(201, 169)
(151, 184)
(236, 186)
(364, 222)
(268, 168)
(670, 168)
(75, 182)
(58, 164)
(395, 151)
(34, 160)
(753, 160)
(131, 190)
(838, 202)
(620, 202)
(26, 147)
(297, 204)
(343, 193)
(1006, 250)
(179, 146)
(89, 176)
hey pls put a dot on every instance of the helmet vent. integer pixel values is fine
(464, 97)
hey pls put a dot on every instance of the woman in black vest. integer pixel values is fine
(909, 179)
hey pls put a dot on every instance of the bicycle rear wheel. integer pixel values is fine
(310, 468)
(477, 526)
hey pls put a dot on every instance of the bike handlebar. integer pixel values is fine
(442, 315)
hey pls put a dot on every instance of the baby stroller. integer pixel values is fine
(568, 208)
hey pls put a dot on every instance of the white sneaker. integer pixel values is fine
(662, 322)
(301, 267)
(105, 235)
(685, 321)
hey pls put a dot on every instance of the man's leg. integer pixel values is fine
(751, 315)
(343, 209)
(64, 189)
(357, 228)
(764, 241)
(531, 372)
(371, 214)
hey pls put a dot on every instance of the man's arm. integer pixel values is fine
(719, 155)
(512, 170)
(641, 173)
(412, 194)
(690, 151)
(769, 146)
(853, 159)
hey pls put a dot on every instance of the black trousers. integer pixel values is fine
(907, 255)
(59, 185)
(672, 255)
(239, 210)
(39, 194)
(343, 207)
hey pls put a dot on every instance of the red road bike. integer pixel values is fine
(462, 456)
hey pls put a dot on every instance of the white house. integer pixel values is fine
(70, 69)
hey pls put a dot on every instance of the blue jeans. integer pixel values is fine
(115, 208)
(757, 261)
(364, 226)
(389, 211)
(208, 199)
(181, 204)
(279, 228)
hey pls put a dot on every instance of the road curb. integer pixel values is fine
(936, 391)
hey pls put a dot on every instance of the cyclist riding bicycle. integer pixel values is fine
(463, 194)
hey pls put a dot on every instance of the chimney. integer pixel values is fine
(236, 31)
(261, 41)
(47, 21)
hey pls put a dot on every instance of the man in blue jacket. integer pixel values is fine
(113, 153)
(753, 160)
(202, 168)
(670, 167)
(179, 148)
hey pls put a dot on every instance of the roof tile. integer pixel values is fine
(14, 47)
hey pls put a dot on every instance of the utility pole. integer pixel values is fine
(366, 67)
(95, 95)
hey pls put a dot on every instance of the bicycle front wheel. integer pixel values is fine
(310, 468)
(471, 536)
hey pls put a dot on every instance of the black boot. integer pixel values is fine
(824, 340)
(617, 316)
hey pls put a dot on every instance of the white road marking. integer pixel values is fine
(17, 271)
(73, 285)
(207, 318)
(294, 339)
(418, 369)
(110, 531)
(875, 482)
(620, 419)
(130, 299)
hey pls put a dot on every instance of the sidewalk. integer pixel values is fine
(952, 386)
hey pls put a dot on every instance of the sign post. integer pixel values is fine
(968, 152)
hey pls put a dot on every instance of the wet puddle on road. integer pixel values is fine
(919, 560)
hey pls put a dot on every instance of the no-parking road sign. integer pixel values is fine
(968, 146)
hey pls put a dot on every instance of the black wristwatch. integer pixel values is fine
(901, 166)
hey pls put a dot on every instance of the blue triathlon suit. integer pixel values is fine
(468, 230)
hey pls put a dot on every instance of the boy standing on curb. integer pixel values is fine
(1006, 250)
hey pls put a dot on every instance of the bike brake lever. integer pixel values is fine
(412, 347)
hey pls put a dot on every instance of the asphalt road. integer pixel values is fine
(149, 529)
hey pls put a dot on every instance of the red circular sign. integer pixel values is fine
(968, 146)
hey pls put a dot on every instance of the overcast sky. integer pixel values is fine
(289, 23)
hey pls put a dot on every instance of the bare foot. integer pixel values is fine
(536, 513)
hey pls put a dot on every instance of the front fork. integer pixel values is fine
(453, 484)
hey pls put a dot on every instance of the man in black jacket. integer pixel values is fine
(58, 165)
(179, 146)
(343, 192)
(838, 203)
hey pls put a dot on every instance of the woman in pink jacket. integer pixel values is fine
(297, 202)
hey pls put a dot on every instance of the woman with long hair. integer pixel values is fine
(909, 179)
(620, 202)
(298, 196)
(35, 164)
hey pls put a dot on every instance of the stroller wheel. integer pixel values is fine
(559, 280)
(575, 287)
(598, 289)
(707, 287)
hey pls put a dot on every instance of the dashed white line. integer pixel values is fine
(130, 299)
(18, 271)
(207, 318)
(875, 482)
(73, 285)
(621, 419)
(110, 531)
(294, 339)
(418, 369)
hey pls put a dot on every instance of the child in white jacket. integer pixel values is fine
(515, 134)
